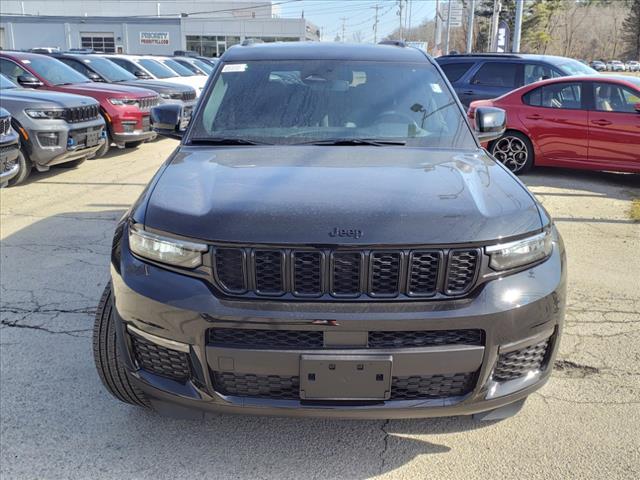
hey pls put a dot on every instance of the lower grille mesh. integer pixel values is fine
(287, 387)
(424, 338)
(518, 363)
(260, 386)
(284, 339)
(160, 360)
(431, 386)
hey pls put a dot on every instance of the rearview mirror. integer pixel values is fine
(491, 123)
(166, 120)
(29, 81)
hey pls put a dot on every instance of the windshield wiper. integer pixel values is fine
(226, 141)
(354, 141)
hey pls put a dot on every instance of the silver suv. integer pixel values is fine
(54, 128)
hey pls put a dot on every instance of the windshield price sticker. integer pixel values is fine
(436, 88)
(234, 67)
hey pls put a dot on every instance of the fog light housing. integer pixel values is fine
(48, 139)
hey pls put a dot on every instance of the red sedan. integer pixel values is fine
(590, 122)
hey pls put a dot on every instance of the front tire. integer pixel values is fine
(24, 170)
(514, 150)
(107, 357)
(102, 151)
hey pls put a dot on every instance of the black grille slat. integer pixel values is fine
(160, 360)
(424, 338)
(307, 273)
(345, 274)
(253, 338)
(5, 125)
(268, 272)
(82, 114)
(260, 386)
(518, 363)
(230, 269)
(190, 95)
(431, 386)
(349, 274)
(385, 274)
(461, 270)
(423, 273)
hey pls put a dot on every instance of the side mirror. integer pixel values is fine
(166, 120)
(29, 81)
(94, 77)
(141, 74)
(637, 107)
(491, 122)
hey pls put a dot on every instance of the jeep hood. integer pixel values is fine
(42, 98)
(299, 194)
(157, 86)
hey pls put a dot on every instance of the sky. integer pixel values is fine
(358, 15)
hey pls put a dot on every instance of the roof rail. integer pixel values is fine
(395, 43)
(251, 41)
(489, 54)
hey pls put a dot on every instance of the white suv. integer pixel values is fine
(150, 67)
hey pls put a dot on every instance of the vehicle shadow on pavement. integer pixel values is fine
(57, 417)
(587, 183)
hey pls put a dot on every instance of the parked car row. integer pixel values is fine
(559, 112)
(68, 107)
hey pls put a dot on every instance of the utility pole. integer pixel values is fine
(495, 20)
(375, 24)
(400, 16)
(517, 31)
(471, 13)
(446, 42)
(409, 10)
(438, 31)
(344, 19)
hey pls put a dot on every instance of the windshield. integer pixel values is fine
(54, 71)
(573, 67)
(109, 70)
(179, 69)
(6, 84)
(157, 69)
(290, 102)
(203, 66)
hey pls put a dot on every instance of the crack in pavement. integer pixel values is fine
(385, 440)
(574, 369)
(71, 333)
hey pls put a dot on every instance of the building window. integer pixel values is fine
(100, 42)
(210, 45)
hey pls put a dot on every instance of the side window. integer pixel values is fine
(615, 98)
(11, 70)
(535, 72)
(455, 71)
(497, 74)
(77, 66)
(560, 95)
(128, 66)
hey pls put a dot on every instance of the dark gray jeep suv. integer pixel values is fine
(329, 239)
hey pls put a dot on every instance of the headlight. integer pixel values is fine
(48, 113)
(521, 252)
(166, 95)
(166, 250)
(123, 101)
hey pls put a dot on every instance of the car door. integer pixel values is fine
(614, 126)
(456, 73)
(491, 80)
(556, 117)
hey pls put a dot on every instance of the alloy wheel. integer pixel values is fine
(512, 152)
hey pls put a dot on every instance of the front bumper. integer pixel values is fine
(131, 127)
(9, 168)
(164, 322)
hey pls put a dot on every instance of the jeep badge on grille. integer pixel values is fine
(346, 232)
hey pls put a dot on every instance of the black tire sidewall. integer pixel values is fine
(24, 170)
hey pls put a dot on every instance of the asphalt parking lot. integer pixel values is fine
(58, 422)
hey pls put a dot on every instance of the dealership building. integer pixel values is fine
(145, 27)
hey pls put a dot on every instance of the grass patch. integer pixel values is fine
(634, 213)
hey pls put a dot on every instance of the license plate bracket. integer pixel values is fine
(345, 377)
(92, 139)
